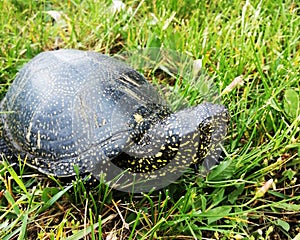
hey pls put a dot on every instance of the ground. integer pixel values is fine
(251, 50)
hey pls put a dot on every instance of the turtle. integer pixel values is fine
(70, 111)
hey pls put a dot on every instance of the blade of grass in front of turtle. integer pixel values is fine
(23, 227)
(137, 220)
(11, 235)
(84, 232)
(6, 233)
(52, 200)
(16, 178)
(12, 203)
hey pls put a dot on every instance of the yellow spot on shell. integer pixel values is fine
(138, 118)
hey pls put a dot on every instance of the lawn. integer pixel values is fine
(251, 51)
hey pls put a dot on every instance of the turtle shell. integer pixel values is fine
(71, 108)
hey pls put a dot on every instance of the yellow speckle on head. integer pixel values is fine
(172, 148)
(138, 118)
(159, 154)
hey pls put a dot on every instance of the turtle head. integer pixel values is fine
(201, 130)
(189, 136)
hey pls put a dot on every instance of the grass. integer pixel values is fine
(252, 194)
